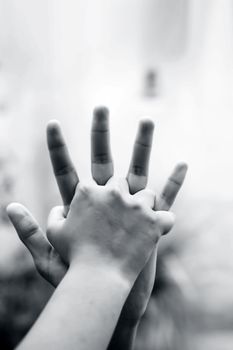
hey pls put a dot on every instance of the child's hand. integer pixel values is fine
(107, 225)
(139, 296)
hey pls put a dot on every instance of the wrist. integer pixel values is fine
(98, 271)
(94, 261)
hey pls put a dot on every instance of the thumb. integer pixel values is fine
(55, 221)
(28, 229)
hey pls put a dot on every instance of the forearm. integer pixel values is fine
(126, 330)
(124, 336)
(82, 312)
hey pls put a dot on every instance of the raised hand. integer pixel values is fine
(108, 226)
(47, 260)
(106, 239)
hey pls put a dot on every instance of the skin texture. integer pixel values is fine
(89, 296)
(109, 226)
(106, 239)
(47, 260)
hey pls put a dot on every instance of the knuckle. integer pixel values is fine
(84, 189)
(42, 263)
(150, 192)
(115, 194)
(151, 222)
(137, 206)
(102, 158)
(137, 170)
(154, 221)
(154, 231)
(64, 170)
(166, 197)
(28, 228)
(150, 219)
(155, 237)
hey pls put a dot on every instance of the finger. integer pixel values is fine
(145, 196)
(164, 221)
(101, 159)
(55, 221)
(172, 187)
(28, 230)
(47, 261)
(63, 167)
(56, 217)
(138, 171)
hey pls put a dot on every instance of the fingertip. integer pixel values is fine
(54, 134)
(139, 164)
(166, 215)
(53, 126)
(171, 216)
(180, 171)
(166, 220)
(11, 207)
(23, 222)
(100, 121)
(16, 209)
(168, 225)
(182, 166)
(101, 114)
(146, 124)
(146, 127)
(145, 132)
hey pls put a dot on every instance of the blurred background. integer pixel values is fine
(170, 60)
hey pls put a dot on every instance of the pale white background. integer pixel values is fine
(59, 59)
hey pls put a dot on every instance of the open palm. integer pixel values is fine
(47, 261)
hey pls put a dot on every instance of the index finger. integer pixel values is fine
(64, 171)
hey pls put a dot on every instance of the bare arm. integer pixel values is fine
(47, 259)
(106, 239)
